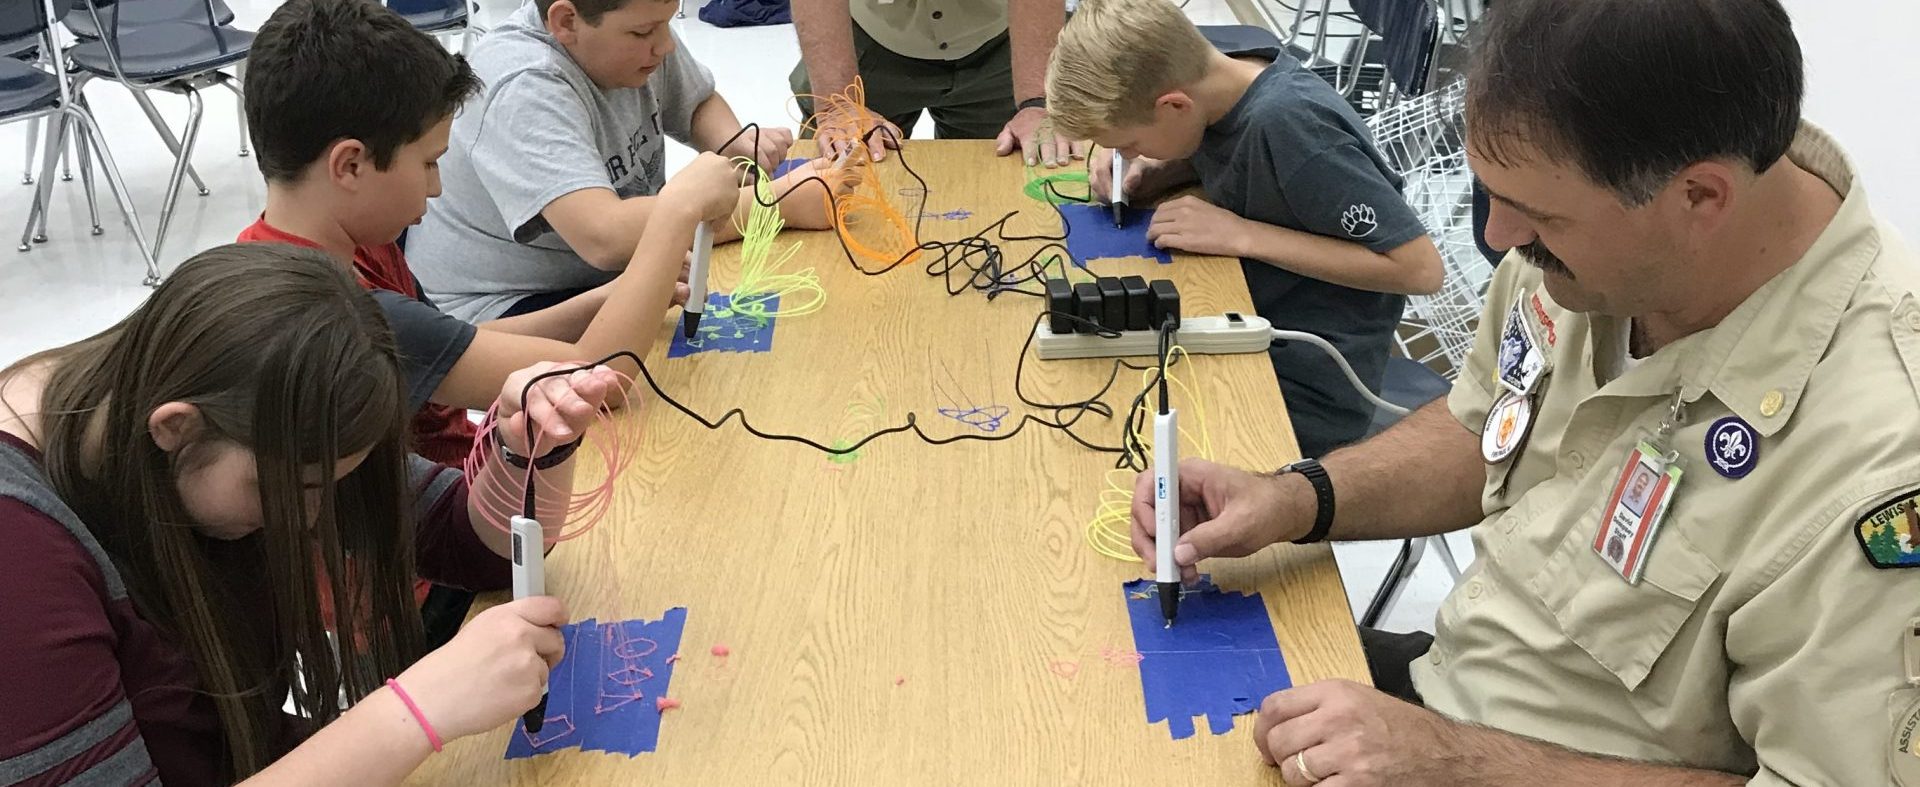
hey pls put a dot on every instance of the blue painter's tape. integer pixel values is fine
(725, 330)
(602, 694)
(1218, 660)
(1092, 236)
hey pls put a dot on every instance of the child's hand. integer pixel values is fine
(1100, 177)
(766, 146)
(493, 670)
(807, 207)
(562, 407)
(1194, 225)
(708, 184)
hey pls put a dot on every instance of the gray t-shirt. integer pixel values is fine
(1293, 154)
(540, 131)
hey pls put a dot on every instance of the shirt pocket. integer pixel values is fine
(1625, 628)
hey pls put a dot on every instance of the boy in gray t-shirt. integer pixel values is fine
(1294, 188)
(551, 172)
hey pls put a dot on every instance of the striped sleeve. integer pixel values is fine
(64, 718)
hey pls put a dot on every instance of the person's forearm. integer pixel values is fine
(630, 320)
(1333, 260)
(1420, 477)
(825, 29)
(564, 321)
(713, 124)
(376, 742)
(1033, 26)
(495, 497)
(1500, 758)
(622, 228)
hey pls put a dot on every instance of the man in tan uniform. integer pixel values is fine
(978, 65)
(1683, 302)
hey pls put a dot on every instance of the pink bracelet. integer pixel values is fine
(432, 737)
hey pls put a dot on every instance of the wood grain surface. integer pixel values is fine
(921, 615)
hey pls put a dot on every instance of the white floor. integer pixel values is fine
(77, 283)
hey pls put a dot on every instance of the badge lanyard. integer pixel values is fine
(1641, 497)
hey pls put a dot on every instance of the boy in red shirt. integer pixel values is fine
(349, 108)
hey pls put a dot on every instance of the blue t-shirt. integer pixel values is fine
(1292, 153)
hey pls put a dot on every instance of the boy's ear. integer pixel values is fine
(563, 21)
(1176, 100)
(347, 161)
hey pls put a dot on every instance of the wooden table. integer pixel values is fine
(922, 615)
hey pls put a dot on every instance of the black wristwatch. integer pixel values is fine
(551, 460)
(1322, 492)
(1036, 101)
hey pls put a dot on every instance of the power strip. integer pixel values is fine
(1213, 335)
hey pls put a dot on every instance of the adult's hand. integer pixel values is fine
(1030, 133)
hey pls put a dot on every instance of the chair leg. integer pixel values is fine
(46, 207)
(1395, 582)
(240, 103)
(167, 205)
(66, 164)
(1445, 550)
(43, 193)
(33, 149)
(120, 194)
(166, 135)
(84, 149)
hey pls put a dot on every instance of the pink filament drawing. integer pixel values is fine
(557, 727)
(628, 673)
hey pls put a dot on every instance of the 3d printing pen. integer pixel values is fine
(530, 579)
(1166, 508)
(1117, 196)
(697, 279)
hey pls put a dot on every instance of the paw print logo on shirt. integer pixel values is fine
(1358, 221)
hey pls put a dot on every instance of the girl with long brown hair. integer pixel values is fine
(183, 494)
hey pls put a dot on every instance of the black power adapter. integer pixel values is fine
(1116, 303)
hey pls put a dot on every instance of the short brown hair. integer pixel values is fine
(1115, 58)
(321, 71)
(1631, 92)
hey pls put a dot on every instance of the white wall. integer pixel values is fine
(1863, 65)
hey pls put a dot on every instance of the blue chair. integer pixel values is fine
(180, 57)
(1409, 36)
(28, 93)
(130, 14)
(439, 18)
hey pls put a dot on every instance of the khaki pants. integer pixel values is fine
(970, 98)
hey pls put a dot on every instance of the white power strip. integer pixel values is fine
(1232, 332)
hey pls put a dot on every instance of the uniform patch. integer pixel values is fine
(1903, 755)
(1888, 533)
(1508, 422)
(1547, 331)
(1733, 448)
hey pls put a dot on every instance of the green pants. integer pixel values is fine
(970, 98)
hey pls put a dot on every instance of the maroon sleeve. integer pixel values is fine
(446, 550)
(63, 714)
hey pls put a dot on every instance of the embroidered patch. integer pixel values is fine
(1547, 331)
(1903, 750)
(1888, 533)
(1733, 448)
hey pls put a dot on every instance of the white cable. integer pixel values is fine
(1330, 350)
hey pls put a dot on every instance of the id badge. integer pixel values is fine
(1521, 361)
(1632, 516)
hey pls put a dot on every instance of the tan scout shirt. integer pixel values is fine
(1759, 638)
(932, 29)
